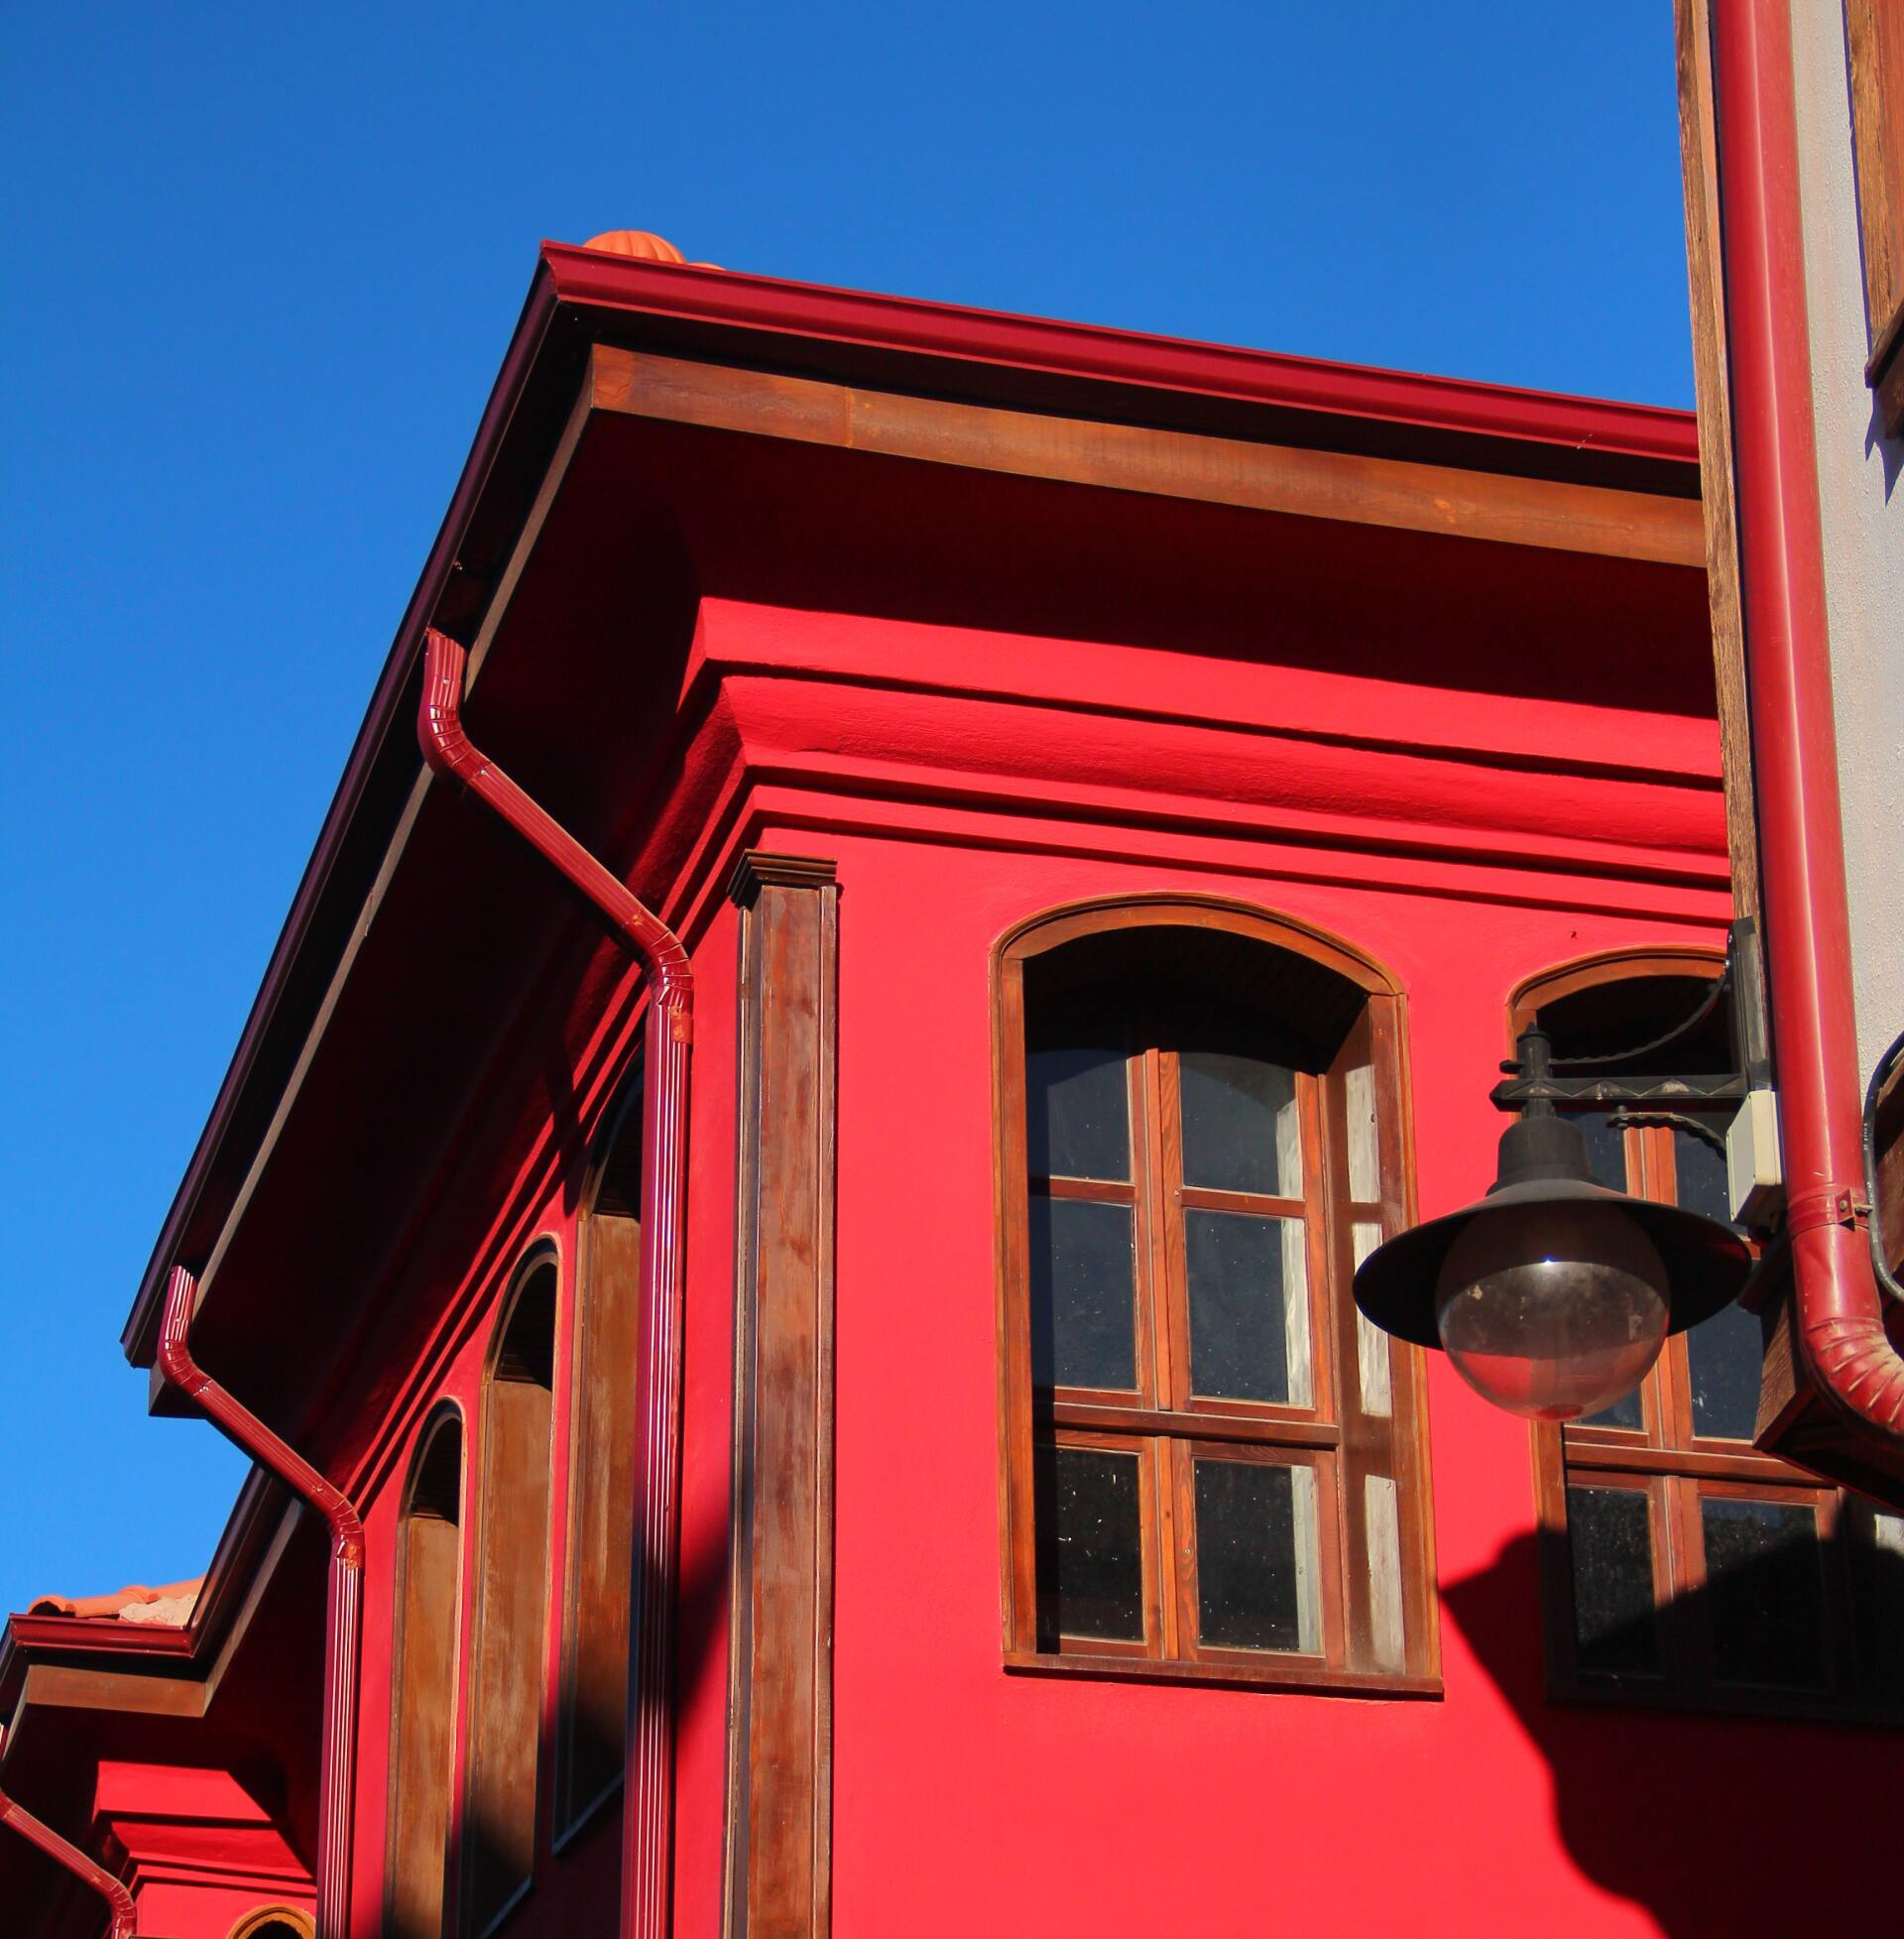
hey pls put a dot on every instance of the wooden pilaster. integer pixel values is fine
(780, 1652)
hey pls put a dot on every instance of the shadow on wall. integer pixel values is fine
(1715, 1824)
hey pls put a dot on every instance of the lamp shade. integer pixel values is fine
(1706, 1263)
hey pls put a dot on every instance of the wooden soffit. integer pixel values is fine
(1350, 487)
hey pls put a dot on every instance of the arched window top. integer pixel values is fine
(524, 1349)
(1620, 999)
(274, 1922)
(1223, 932)
(434, 1489)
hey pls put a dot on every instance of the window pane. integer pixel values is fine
(1610, 1534)
(1606, 1148)
(1877, 1587)
(1083, 1315)
(1257, 1561)
(1624, 1412)
(1698, 1172)
(1364, 1167)
(1372, 1343)
(1090, 1542)
(1722, 1358)
(1249, 1308)
(1765, 1591)
(1241, 1132)
(1382, 1517)
(1077, 1107)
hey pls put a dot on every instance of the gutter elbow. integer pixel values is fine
(439, 716)
(1853, 1361)
(175, 1352)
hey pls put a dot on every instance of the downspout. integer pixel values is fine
(344, 1610)
(124, 1919)
(647, 1788)
(1841, 1325)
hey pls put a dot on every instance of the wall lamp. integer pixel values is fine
(1553, 1295)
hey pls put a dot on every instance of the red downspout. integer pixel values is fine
(1794, 735)
(647, 1795)
(344, 1611)
(124, 1919)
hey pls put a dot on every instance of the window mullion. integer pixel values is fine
(1163, 1195)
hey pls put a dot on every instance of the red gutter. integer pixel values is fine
(125, 1919)
(648, 1791)
(344, 1610)
(1042, 344)
(1794, 737)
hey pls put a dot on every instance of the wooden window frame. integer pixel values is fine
(1875, 38)
(1674, 1466)
(402, 1878)
(604, 1365)
(1170, 1430)
(497, 1557)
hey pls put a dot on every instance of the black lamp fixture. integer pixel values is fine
(1553, 1295)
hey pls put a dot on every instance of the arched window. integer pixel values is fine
(273, 1922)
(423, 1698)
(1682, 1567)
(595, 1644)
(498, 1829)
(1213, 1467)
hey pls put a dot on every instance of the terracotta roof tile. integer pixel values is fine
(170, 1604)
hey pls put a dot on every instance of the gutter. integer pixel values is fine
(344, 1606)
(1807, 922)
(648, 1775)
(125, 1917)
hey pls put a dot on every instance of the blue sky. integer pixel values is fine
(262, 264)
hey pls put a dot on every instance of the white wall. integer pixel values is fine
(1861, 495)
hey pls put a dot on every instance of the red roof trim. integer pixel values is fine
(103, 1634)
(758, 302)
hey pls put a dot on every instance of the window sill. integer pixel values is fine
(1293, 1676)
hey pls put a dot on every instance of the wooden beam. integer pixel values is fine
(1338, 485)
(780, 1651)
(1697, 156)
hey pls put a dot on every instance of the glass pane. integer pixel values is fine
(1380, 1514)
(1090, 1544)
(1077, 1114)
(1765, 1591)
(1365, 1162)
(1372, 1343)
(1256, 1562)
(1606, 1148)
(1878, 1591)
(1249, 1308)
(1624, 1412)
(1610, 1538)
(1722, 1358)
(1241, 1131)
(1083, 1313)
(1698, 1172)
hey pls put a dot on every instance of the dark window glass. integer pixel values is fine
(1764, 1591)
(1624, 1412)
(1606, 1148)
(1240, 1320)
(1256, 1567)
(1722, 1360)
(1077, 1114)
(1083, 1317)
(1698, 1169)
(1610, 1541)
(1877, 1580)
(1240, 1128)
(1089, 1544)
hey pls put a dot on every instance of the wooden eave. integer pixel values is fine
(929, 382)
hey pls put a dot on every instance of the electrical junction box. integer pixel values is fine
(1754, 1170)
